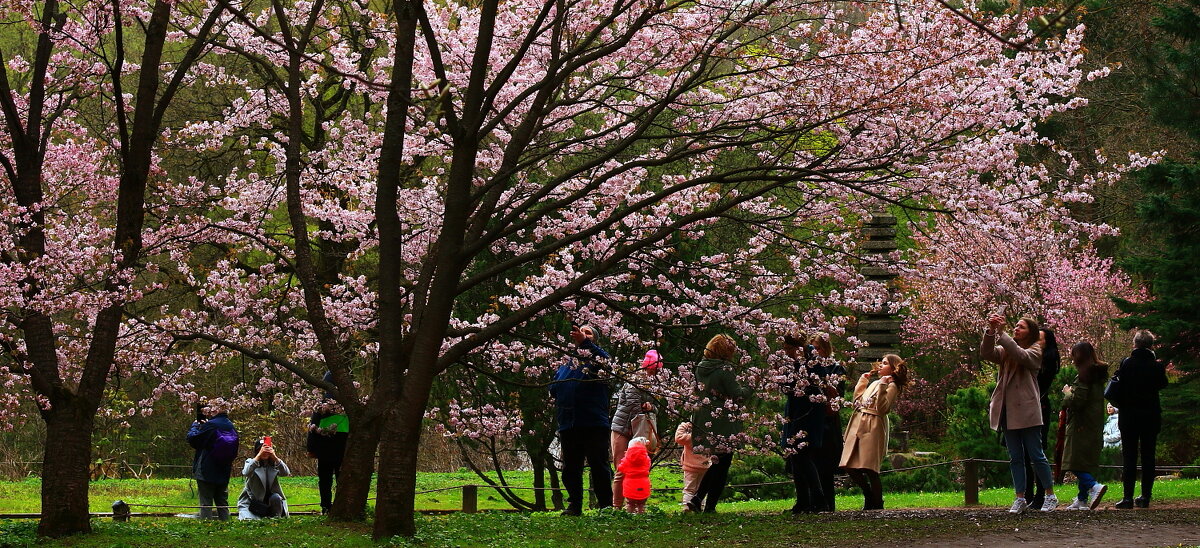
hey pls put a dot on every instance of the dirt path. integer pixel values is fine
(1175, 524)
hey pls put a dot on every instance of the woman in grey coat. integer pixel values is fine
(631, 400)
(262, 497)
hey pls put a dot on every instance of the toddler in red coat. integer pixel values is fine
(636, 468)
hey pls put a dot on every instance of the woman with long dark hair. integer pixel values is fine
(1084, 400)
(1051, 363)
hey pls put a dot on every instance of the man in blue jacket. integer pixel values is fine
(216, 442)
(581, 402)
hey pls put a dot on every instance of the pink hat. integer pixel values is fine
(652, 362)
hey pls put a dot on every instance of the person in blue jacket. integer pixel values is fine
(581, 404)
(215, 440)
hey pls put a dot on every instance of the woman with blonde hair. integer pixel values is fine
(714, 424)
(867, 434)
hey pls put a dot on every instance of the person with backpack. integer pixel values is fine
(1141, 376)
(328, 432)
(215, 440)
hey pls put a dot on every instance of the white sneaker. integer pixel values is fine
(1079, 505)
(1018, 506)
(1050, 504)
(1095, 494)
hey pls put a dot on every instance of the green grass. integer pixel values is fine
(656, 528)
(24, 496)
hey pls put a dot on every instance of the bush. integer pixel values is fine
(934, 478)
(752, 469)
(969, 435)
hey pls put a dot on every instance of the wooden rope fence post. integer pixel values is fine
(971, 479)
(470, 499)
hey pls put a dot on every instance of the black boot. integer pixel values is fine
(1142, 502)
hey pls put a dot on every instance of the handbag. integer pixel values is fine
(645, 425)
(1114, 391)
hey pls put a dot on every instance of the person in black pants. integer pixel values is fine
(803, 431)
(1051, 363)
(830, 451)
(581, 404)
(715, 426)
(1141, 377)
(328, 431)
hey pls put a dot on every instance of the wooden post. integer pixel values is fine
(470, 496)
(971, 479)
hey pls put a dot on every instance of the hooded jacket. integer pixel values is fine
(636, 467)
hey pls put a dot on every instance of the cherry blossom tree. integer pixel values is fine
(74, 207)
(660, 170)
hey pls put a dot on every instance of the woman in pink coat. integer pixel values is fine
(867, 434)
(1016, 407)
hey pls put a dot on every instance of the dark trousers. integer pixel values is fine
(872, 487)
(328, 467)
(213, 494)
(713, 483)
(809, 497)
(1139, 433)
(828, 456)
(585, 444)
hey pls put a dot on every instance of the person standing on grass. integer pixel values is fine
(715, 421)
(830, 452)
(635, 466)
(867, 434)
(215, 440)
(631, 401)
(1015, 407)
(1084, 402)
(1051, 363)
(1140, 417)
(328, 432)
(581, 404)
(803, 429)
(693, 465)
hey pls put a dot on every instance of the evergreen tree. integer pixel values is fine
(1169, 258)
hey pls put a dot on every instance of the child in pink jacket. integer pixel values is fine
(636, 468)
(694, 466)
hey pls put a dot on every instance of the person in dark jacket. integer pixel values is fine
(328, 431)
(210, 472)
(581, 404)
(803, 431)
(1051, 363)
(1084, 400)
(830, 451)
(1140, 419)
(714, 426)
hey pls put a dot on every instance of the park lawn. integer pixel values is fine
(601, 529)
(24, 496)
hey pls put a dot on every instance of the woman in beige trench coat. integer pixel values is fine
(867, 434)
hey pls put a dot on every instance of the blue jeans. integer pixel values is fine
(1086, 481)
(1026, 441)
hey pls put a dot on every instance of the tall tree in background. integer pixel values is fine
(1169, 256)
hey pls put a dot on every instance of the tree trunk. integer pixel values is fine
(397, 487)
(65, 472)
(354, 480)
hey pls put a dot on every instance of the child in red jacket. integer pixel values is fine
(636, 468)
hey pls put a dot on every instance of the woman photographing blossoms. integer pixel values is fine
(1016, 403)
